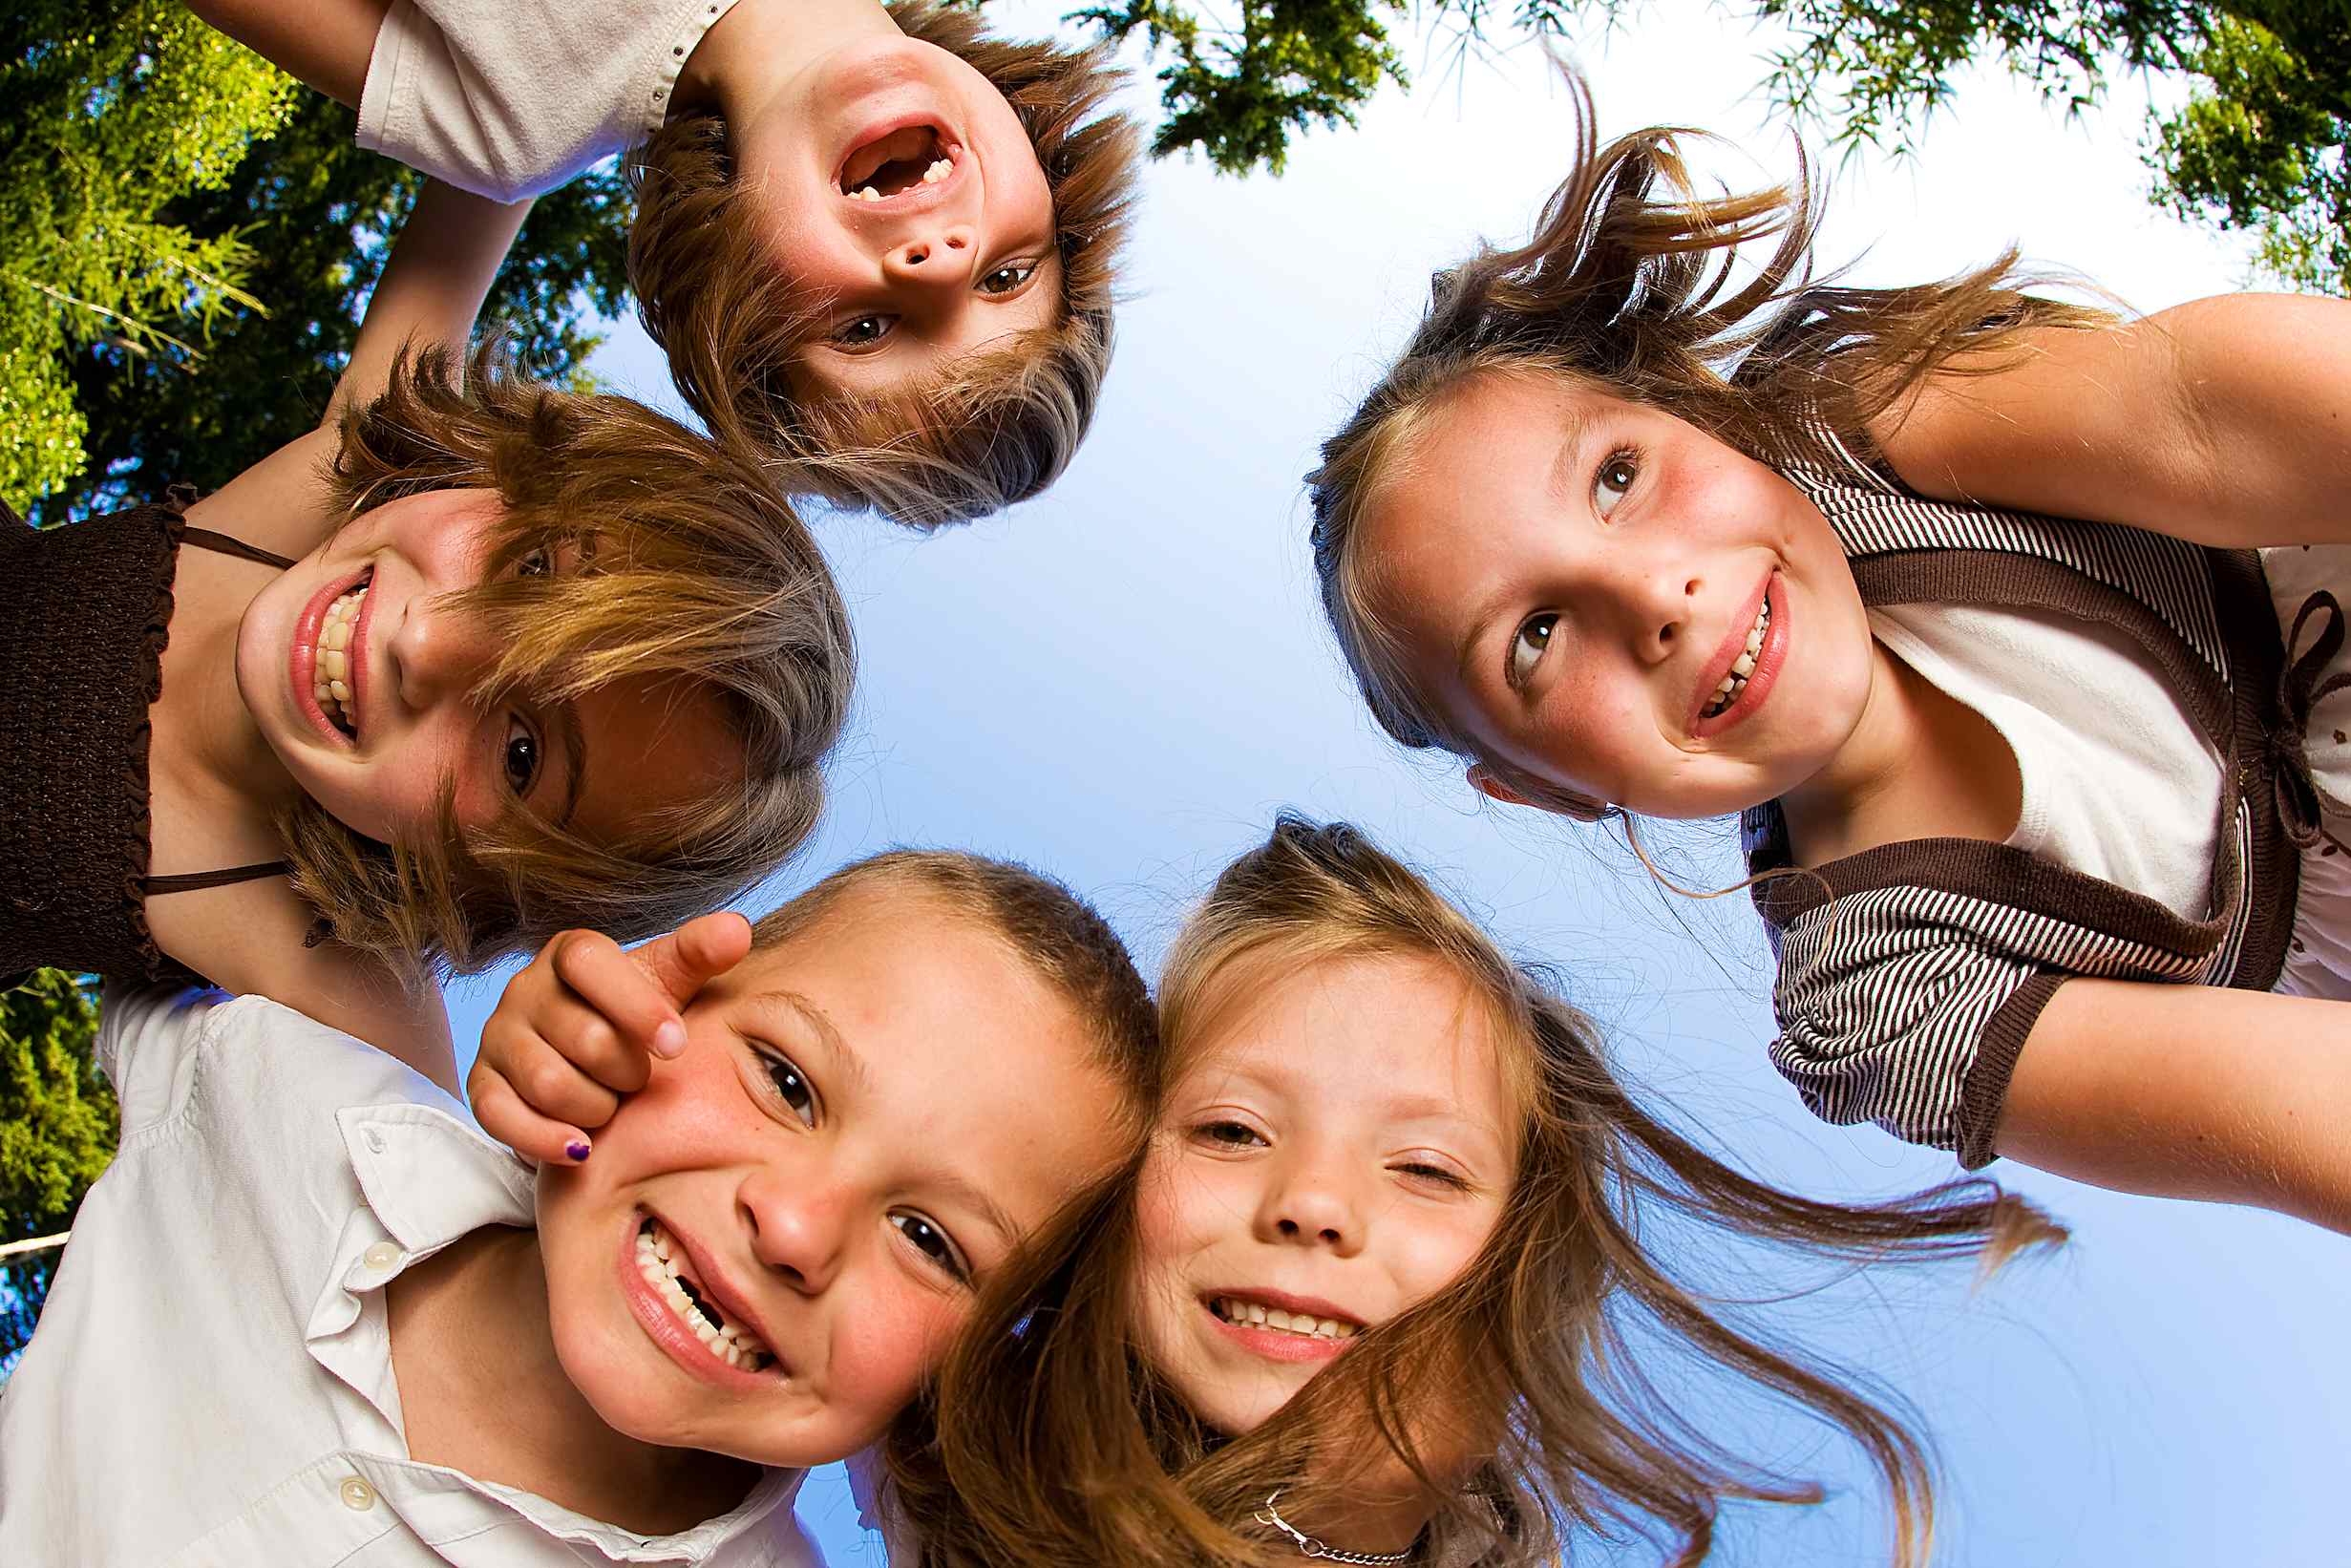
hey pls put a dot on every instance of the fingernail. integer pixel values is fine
(670, 1039)
(577, 1149)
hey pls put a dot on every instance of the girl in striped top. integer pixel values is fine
(2004, 624)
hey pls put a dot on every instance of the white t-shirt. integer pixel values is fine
(509, 98)
(2119, 783)
(211, 1382)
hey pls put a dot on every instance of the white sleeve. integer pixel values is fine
(147, 1039)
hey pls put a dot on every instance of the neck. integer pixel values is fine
(482, 1391)
(205, 740)
(1842, 809)
(749, 61)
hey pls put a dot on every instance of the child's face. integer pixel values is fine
(1574, 576)
(863, 1121)
(931, 268)
(378, 756)
(1337, 1150)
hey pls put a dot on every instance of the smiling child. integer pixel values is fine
(409, 1354)
(870, 237)
(2013, 629)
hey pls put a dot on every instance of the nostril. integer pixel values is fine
(955, 242)
(916, 255)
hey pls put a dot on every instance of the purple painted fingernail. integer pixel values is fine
(577, 1149)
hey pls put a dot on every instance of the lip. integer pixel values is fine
(1767, 662)
(918, 197)
(302, 662)
(662, 1327)
(1274, 1344)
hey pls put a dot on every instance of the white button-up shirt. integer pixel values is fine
(212, 1382)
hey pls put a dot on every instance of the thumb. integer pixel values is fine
(688, 958)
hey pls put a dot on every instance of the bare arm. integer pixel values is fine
(2190, 1091)
(440, 270)
(326, 43)
(2226, 421)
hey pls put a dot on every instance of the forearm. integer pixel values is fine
(438, 274)
(2190, 1091)
(2226, 421)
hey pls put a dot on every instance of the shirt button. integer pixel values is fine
(375, 1140)
(380, 1257)
(357, 1496)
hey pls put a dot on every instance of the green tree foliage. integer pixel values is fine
(57, 1121)
(2259, 146)
(1236, 90)
(103, 120)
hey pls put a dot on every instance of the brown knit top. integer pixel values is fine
(85, 611)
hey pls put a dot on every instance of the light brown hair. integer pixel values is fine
(1003, 424)
(1054, 1442)
(695, 567)
(1627, 287)
(1057, 935)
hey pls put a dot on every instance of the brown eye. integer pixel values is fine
(1615, 477)
(1526, 650)
(863, 332)
(1004, 280)
(521, 758)
(934, 1244)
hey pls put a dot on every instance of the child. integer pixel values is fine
(1952, 592)
(1393, 1174)
(870, 237)
(309, 1316)
(1376, 1267)
(465, 666)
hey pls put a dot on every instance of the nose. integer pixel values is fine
(438, 654)
(800, 1228)
(936, 258)
(1656, 599)
(1312, 1202)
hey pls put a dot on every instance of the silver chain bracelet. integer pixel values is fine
(1310, 1546)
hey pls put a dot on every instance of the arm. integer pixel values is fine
(439, 272)
(2226, 421)
(327, 43)
(2190, 1091)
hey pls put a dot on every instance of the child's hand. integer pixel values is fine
(572, 1032)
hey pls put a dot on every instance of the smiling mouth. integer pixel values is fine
(898, 162)
(1733, 686)
(1242, 1313)
(330, 674)
(662, 1260)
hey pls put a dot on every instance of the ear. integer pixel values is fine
(1483, 781)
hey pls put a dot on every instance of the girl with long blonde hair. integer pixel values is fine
(1366, 1295)
(2010, 627)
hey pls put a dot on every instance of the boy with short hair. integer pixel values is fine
(871, 237)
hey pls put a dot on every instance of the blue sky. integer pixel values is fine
(1122, 680)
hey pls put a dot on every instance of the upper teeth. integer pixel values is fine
(1735, 681)
(662, 1262)
(330, 676)
(1233, 1309)
(939, 170)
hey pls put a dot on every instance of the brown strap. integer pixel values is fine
(193, 881)
(204, 539)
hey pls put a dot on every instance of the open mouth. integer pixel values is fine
(1243, 1313)
(898, 162)
(331, 672)
(661, 1259)
(1734, 681)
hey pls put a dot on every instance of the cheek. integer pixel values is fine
(1431, 1255)
(897, 1336)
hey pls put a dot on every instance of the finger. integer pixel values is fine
(611, 982)
(589, 1042)
(552, 1087)
(688, 959)
(506, 1117)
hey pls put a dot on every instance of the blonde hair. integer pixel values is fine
(696, 567)
(996, 429)
(1054, 1442)
(1627, 288)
